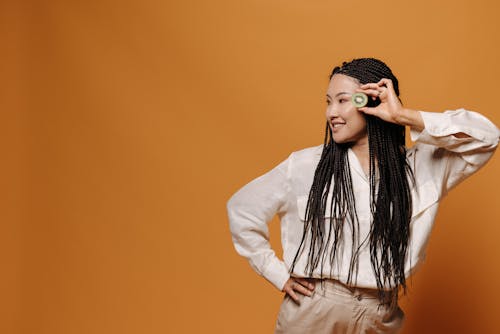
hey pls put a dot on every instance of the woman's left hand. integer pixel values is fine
(390, 108)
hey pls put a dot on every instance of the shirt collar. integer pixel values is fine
(356, 165)
(358, 169)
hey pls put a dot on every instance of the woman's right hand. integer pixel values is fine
(298, 284)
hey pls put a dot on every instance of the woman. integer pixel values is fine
(356, 212)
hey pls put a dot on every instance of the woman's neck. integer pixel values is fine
(363, 154)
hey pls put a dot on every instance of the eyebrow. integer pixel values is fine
(337, 94)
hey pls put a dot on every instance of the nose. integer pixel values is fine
(331, 112)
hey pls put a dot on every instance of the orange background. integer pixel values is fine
(127, 125)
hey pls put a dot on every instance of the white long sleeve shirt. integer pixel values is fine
(439, 161)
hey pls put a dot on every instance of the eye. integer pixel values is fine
(342, 100)
(327, 101)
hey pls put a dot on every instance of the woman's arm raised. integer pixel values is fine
(457, 142)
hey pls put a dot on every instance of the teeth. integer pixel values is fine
(337, 125)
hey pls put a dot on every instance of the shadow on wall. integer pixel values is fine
(455, 277)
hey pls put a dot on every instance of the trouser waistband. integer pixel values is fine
(336, 286)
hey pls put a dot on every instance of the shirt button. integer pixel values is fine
(360, 297)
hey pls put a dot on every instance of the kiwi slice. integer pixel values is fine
(359, 99)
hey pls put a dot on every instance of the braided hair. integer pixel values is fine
(390, 197)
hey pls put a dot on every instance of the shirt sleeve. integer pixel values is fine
(250, 210)
(450, 158)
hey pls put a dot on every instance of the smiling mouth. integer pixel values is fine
(338, 125)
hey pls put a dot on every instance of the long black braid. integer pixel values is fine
(390, 197)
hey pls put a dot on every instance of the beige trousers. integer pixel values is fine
(339, 309)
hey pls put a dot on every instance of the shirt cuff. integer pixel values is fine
(277, 273)
(435, 125)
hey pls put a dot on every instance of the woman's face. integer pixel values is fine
(347, 123)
